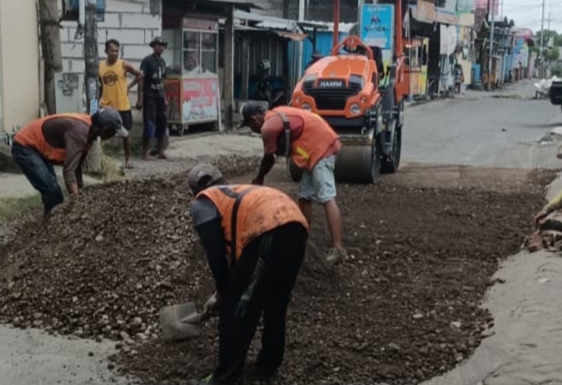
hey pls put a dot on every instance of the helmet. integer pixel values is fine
(203, 176)
(109, 118)
(264, 65)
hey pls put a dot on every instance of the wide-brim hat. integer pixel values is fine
(158, 40)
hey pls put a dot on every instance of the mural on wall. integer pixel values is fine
(69, 92)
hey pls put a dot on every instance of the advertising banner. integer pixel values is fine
(192, 100)
(377, 25)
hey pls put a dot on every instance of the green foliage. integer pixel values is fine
(553, 54)
(556, 70)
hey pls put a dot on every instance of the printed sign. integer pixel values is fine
(377, 25)
(200, 99)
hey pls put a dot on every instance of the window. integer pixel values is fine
(199, 51)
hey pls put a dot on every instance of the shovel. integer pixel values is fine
(181, 321)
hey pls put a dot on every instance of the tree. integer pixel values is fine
(554, 54)
(50, 49)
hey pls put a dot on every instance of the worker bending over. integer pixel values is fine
(554, 205)
(62, 139)
(255, 239)
(313, 147)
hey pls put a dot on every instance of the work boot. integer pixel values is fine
(335, 256)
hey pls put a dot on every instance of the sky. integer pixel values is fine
(528, 13)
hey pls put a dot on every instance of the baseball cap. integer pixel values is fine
(107, 117)
(250, 109)
(202, 176)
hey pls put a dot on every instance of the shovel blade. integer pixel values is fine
(171, 321)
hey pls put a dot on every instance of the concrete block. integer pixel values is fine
(125, 6)
(124, 36)
(132, 20)
(135, 52)
(149, 34)
(72, 50)
(76, 66)
(112, 20)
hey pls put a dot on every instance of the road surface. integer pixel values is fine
(475, 129)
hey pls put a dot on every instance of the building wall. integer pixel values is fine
(318, 10)
(19, 68)
(131, 22)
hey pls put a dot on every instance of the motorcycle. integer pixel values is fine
(264, 88)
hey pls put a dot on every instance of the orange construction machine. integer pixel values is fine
(360, 91)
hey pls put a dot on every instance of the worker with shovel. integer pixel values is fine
(255, 239)
(312, 145)
(62, 139)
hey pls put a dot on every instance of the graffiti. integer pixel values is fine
(69, 83)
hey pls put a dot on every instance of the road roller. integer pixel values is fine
(362, 101)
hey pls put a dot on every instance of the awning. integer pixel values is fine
(292, 35)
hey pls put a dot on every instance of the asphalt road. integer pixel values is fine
(482, 129)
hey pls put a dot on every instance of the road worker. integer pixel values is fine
(62, 139)
(263, 235)
(314, 146)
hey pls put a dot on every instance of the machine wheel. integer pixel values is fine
(294, 171)
(391, 162)
(359, 164)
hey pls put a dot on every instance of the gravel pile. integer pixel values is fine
(108, 261)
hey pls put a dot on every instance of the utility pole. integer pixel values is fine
(336, 22)
(541, 53)
(492, 27)
(93, 161)
(91, 57)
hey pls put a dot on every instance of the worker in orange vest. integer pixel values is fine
(313, 147)
(62, 139)
(255, 239)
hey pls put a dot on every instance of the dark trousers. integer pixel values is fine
(282, 259)
(40, 173)
(154, 117)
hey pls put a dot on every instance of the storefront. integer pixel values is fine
(417, 56)
(192, 83)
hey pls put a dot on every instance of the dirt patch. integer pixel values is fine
(403, 308)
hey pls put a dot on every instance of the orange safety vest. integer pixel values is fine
(248, 211)
(316, 138)
(31, 135)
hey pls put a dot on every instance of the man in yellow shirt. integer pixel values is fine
(114, 89)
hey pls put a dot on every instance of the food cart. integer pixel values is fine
(192, 87)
